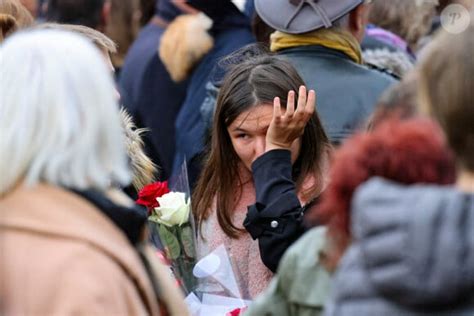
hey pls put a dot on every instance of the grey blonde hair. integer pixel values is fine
(59, 117)
(102, 41)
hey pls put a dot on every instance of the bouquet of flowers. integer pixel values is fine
(210, 283)
(171, 219)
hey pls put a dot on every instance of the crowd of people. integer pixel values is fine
(329, 147)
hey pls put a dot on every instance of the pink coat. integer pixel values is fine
(61, 256)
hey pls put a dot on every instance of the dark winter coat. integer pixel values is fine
(148, 92)
(413, 253)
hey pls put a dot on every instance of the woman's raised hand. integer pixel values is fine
(287, 127)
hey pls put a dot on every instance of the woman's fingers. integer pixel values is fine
(301, 99)
(290, 104)
(305, 106)
(284, 129)
(311, 102)
(276, 108)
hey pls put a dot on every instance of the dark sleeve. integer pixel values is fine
(276, 219)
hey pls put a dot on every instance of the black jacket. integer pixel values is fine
(346, 91)
(130, 220)
(276, 219)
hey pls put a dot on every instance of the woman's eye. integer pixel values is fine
(243, 136)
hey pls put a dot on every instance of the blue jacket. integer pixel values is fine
(231, 31)
(413, 253)
(148, 92)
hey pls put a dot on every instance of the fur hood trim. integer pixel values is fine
(184, 43)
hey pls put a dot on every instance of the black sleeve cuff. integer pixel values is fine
(272, 174)
(286, 209)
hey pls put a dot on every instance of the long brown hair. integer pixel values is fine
(251, 83)
(123, 27)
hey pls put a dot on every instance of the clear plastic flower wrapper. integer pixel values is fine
(172, 225)
(218, 292)
(210, 284)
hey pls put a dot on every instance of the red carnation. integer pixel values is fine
(147, 196)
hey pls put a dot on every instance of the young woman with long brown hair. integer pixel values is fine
(265, 167)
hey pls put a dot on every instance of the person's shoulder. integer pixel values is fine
(144, 47)
(338, 63)
(305, 251)
(381, 71)
(83, 257)
(381, 189)
(76, 278)
(149, 35)
(314, 237)
(371, 73)
(305, 280)
(88, 267)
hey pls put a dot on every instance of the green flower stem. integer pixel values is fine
(180, 250)
(184, 263)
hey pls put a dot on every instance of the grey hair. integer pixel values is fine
(59, 117)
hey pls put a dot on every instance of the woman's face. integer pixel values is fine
(248, 132)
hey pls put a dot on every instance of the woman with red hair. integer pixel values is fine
(406, 152)
(413, 245)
